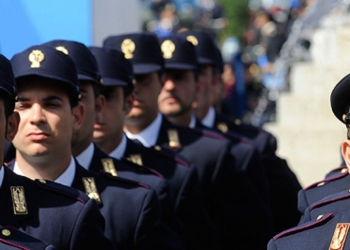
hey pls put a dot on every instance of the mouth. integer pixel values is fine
(38, 136)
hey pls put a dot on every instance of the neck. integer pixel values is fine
(137, 125)
(43, 167)
(107, 145)
(202, 112)
(80, 146)
(181, 120)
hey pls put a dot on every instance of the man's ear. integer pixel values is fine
(78, 113)
(100, 103)
(345, 150)
(129, 103)
(12, 126)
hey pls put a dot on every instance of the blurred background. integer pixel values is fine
(282, 58)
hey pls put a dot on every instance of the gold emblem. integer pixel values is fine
(101, 81)
(62, 49)
(193, 40)
(158, 148)
(339, 236)
(137, 159)
(173, 136)
(223, 127)
(128, 47)
(6, 232)
(108, 166)
(18, 200)
(344, 118)
(90, 189)
(36, 57)
(168, 48)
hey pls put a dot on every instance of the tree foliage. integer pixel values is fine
(236, 12)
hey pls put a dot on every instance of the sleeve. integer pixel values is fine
(151, 232)
(88, 232)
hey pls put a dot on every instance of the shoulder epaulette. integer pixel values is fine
(159, 151)
(209, 134)
(143, 168)
(9, 163)
(13, 237)
(62, 189)
(321, 183)
(123, 180)
(335, 197)
(339, 170)
(307, 225)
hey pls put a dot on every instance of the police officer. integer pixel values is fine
(116, 72)
(50, 111)
(209, 152)
(330, 215)
(86, 152)
(275, 174)
(41, 208)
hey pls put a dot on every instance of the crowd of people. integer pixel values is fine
(123, 146)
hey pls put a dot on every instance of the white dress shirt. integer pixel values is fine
(66, 178)
(85, 157)
(209, 118)
(2, 171)
(148, 137)
(119, 151)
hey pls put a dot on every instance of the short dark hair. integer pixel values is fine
(9, 104)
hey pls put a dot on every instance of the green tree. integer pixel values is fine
(237, 13)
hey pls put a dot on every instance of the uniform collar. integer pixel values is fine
(209, 119)
(66, 178)
(1, 175)
(193, 122)
(148, 137)
(119, 151)
(85, 157)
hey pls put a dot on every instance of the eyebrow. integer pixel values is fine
(48, 98)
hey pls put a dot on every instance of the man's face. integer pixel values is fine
(87, 128)
(205, 86)
(47, 120)
(178, 92)
(146, 91)
(109, 123)
(9, 129)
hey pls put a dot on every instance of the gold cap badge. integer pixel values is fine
(168, 48)
(18, 200)
(36, 57)
(62, 49)
(108, 166)
(90, 189)
(173, 137)
(193, 40)
(339, 236)
(128, 47)
(223, 127)
(136, 158)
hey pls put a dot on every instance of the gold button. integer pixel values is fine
(158, 148)
(320, 184)
(79, 97)
(319, 217)
(344, 170)
(6, 232)
(42, 181)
